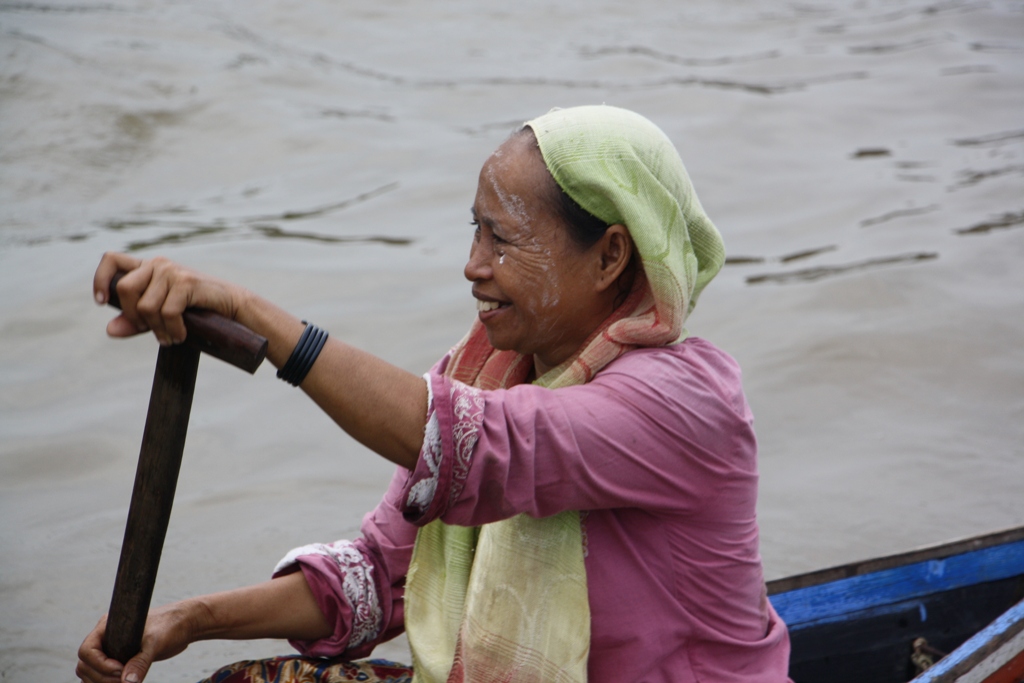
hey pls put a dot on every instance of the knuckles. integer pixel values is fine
(147, 308)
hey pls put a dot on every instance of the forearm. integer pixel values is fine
(380, 405)
(280, 608)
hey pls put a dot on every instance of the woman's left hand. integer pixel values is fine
(155, 292)
(284, 607)
(169, 630)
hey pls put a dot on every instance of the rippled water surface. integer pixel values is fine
(864, 161)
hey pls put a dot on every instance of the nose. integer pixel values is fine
(481, 256)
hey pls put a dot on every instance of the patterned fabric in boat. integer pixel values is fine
(298, 669)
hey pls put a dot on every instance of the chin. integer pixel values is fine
(499, 343)
(496, 342)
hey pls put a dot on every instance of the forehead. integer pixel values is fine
(517, 165)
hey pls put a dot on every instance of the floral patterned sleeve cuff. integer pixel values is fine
(341, 578)
(454, 414)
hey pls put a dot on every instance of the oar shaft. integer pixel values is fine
(159, 461)
(155, 480)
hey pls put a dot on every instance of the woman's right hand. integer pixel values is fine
(169, 630)
(155, 292)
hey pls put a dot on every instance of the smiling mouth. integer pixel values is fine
(484, 306)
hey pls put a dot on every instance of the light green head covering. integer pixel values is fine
(623, 169)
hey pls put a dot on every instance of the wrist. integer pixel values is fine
(240, 303)
(199, 618)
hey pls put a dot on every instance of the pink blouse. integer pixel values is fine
(657, 451)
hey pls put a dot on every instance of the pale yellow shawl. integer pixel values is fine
(508, 601)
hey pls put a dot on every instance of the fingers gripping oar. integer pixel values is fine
(159, 461)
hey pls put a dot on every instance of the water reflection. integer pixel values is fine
(1007, 220)
(819, 272)
(247, 227)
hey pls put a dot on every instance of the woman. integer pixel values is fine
(577, 481)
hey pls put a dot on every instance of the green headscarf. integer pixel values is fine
(623, 169)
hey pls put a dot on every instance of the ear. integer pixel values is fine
(615, 253)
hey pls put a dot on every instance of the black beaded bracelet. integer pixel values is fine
(303, 355)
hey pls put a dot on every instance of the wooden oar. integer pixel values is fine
(159, 461)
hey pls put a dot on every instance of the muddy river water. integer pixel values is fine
(864, 162)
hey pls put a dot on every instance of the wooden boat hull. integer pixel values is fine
(993, 655)
(859, 622)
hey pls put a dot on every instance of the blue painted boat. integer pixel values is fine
(943, 614)
(993, 655)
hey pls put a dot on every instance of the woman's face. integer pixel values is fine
(535, 288)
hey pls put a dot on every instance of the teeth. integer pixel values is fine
(486, 305)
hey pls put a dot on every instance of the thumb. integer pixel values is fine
(137, 668)
(121, 326)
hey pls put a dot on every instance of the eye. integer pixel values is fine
(476, 229)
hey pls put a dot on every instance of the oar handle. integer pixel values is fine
(216, 335)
